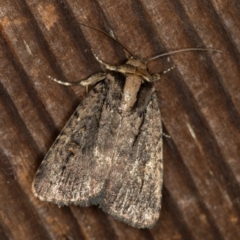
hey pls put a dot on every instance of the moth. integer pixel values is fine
(110, 151)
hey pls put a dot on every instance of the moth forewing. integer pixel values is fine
(133, 194)
(110, 152)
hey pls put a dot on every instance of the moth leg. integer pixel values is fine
(125, 69)
(62, 82)
(107, 66)
(89, 81)
(157, 76)
(93, 79)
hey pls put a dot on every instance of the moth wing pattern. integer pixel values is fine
(107, 158)
(133, 193)
(71, 172)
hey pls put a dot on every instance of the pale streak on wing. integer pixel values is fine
(72, 171)
(133, 193)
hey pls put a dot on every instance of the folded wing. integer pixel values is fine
(68, 172)
(133, 192)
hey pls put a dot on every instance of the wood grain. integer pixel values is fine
(199, 101)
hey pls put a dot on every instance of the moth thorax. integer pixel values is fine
(130, 92)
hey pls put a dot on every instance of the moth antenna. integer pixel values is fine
(181, 50)
(109, 37)
(67, 83)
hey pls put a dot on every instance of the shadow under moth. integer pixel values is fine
(110, 151)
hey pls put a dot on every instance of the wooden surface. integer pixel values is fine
(199, 101)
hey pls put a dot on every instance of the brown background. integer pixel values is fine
(199, 101)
